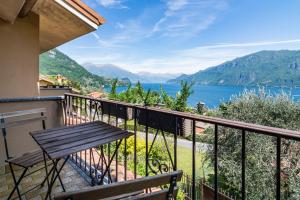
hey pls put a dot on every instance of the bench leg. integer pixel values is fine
(16, 187)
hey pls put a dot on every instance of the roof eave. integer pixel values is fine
(76, 12)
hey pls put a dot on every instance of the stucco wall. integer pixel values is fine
(19, 57)
(54, 91)
(19, 140)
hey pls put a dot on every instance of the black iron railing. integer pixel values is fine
(81, 109)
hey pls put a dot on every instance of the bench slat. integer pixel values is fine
(107, 191)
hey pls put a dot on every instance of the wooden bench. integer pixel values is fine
(130, 189)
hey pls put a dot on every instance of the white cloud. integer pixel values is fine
(211, 55)
(126, 32)
(198, 58)
(120, 25)
(188, 60)
(250, 44)
(188, 17)
(119, 4)
(181, 18)
(112, 43)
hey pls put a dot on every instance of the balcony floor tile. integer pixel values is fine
(71, 179)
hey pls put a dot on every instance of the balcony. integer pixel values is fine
(156, 129)
(70, 177)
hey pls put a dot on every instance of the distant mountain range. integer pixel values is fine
(275, 68)
(113, 71)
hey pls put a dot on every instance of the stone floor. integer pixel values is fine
(71, 179)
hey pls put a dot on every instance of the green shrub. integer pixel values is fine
(158, 152)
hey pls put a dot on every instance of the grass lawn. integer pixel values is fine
(184, 160)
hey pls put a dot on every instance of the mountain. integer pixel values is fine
(276, 68)
(113, 71)
(156, 77)
(55, 62)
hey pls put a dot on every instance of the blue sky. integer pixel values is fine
(185, 36)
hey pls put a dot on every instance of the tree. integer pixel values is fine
(179, 103)
(182, 96)
(275, 111)
(113, 92)
(138, 95)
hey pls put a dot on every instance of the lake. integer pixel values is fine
(212, 96)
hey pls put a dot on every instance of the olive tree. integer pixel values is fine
(264, 109)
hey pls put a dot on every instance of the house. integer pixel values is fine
(48, 87)
(31, 27)
(28, 28)
(61, 80)
(97, 94)
(52, 54)
(45, 82)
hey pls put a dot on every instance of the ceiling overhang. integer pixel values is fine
(60, 20)
(9, 10)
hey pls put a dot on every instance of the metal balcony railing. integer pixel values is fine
(81, 109)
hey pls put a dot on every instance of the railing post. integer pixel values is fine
(216, 162)
(65, 109)
(243, 164)
(80, 110)
(278, 167)
(90, 108)
(69, 109)
(194, 162)
(147, 156)
(116, 159)
(134, 151)
(125, 150)
(175, 144)
(85, 110)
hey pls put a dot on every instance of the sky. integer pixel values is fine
(185, 36)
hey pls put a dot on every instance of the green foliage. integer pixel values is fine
(252, 69)
(265, 109)
(180, 195)
(138, 95)
(180, 103)
(157, 152)
(113, 92)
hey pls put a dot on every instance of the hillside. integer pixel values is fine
(55, 62)
(113, 71)
(156, 77)
(276, 68)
